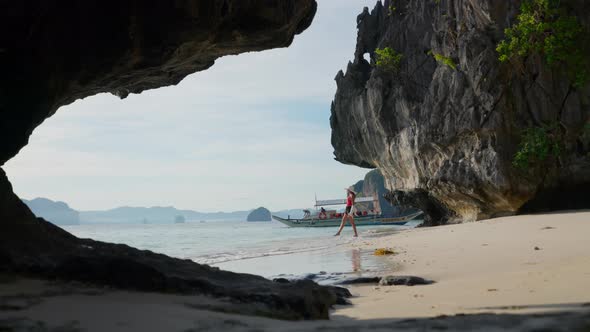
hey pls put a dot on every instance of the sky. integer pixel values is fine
(251, 131)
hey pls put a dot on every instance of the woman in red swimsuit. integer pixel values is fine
(348, 214)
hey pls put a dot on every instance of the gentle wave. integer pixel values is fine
(277, 249)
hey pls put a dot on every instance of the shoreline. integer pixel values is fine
(479, 268)
(517, 264)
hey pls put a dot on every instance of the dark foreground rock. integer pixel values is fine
(387, 281)
(360, 280)
(53, 53)
(444, 136)
(50, 252)
(403, 281)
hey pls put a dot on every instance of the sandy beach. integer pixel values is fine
(520, 264)
(513, 265)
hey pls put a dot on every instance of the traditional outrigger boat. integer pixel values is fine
(332, 218)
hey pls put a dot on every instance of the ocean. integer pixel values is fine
(270, 249)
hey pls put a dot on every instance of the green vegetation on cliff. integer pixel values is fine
(537, 145)
(388, 59)
(545, 28)
(445, 60)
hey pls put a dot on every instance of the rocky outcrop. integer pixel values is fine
(374, 184)
(259, 214)
(444, 138)
(52, 53)
(58, 213)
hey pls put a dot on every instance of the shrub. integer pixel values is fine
(543, 27)
(445, 60)
(537, 144)
(388, 59)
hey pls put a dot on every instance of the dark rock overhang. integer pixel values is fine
(55, 52)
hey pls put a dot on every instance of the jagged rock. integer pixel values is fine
(403, 280)
(259, 214)
(446, 138)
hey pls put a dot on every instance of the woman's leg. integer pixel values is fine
(353, 226)
(341, 225)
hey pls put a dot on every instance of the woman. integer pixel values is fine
(348, 214)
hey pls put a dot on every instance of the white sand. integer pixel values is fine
(486, 266)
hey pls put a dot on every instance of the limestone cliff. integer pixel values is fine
(54, 52)
(444, 136)
(374, 184)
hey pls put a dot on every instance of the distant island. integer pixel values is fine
(58, 213)
(260, 214)
(156, 215)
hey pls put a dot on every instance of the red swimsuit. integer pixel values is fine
(348, 201)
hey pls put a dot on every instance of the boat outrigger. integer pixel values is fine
(364, 215)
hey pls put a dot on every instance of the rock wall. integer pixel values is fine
(445, 138)
(374, 183)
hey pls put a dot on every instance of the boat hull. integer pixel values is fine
(359, 221)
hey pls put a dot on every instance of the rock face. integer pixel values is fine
(259, 214)
(374, 183)
(58, 213)
(52, 53)
(444, 138)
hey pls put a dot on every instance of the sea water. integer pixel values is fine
(270, 249)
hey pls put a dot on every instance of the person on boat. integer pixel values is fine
(348, 214)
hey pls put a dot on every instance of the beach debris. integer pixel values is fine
(404, 281)
(546, 228)
(492, 289)
(383, 252)
(537, 248)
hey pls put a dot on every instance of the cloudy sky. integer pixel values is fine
(252, 130)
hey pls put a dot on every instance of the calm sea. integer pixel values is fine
(269, 249)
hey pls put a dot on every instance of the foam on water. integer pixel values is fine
(268, 249)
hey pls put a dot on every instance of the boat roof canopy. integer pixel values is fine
(342, 201)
